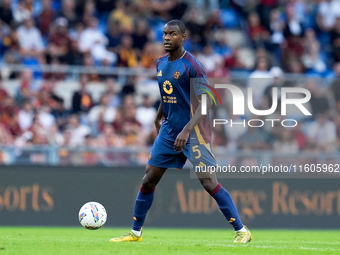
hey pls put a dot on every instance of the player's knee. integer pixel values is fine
(148, 183)
(208, 184)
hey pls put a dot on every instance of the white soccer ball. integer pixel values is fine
(92, 215)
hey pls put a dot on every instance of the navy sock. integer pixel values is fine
(142, 205)
(227, 206)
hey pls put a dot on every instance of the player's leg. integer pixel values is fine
(226, 205)
(143, 203)
(201, 155)
(145, 196)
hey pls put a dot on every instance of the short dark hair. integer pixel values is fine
(176, 22)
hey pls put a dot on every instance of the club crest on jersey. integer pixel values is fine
(167, 87)
(177, 74)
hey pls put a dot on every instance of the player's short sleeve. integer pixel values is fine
(199, 78)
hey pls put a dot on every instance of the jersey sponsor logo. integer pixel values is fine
(167, 87)
(177, 74)
(159, 73)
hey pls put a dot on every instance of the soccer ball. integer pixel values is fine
(92, 215)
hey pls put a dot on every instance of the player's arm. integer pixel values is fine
(159, 117)
(183, 136)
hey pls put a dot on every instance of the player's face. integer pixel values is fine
(172, 38)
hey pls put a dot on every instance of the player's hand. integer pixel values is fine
(181, 140)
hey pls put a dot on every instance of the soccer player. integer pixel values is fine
(181, 112)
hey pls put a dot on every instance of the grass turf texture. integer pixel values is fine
(49, 240)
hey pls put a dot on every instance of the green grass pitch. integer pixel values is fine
(50, 241)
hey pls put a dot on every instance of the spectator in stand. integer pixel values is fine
(293, 32)
(233, 132)
(278, 82)
(140, 36)
(146, 114)
(28, 88)
(322, 134)
(3, 92)
(26, 115)
(129, 87)
(6, 14)
(73, 56)
(82, 100)
(38, 133)
(114, 99)
(46, 95)
(5, 136)
(127, 125)
(54, 137)
(101, 114)
(9, 42)
(209, 59)
(299, 136)
(335, 40)
(254, 139)
(311, 58)
(258, 33)
(329, 10)
(46, 119)
(33, 6)
(233, 60)
(195, 28)
(114, 35)
(258, 80)
(335, 87)
(286, 143)
(68, 11)
(30, 39)
(295, 67)
(319, 99)
(8, 115)
(89, 12)
(264, 9)
(60, 114)
(60, 37)
(131, 128)
(127, 56)
(109, 138)
(219, 72)
(148, 57)
(45, 18)
(276, 27)
(214, 21)
(89, 64)
(221, 45)
(21, 13)
(94, 41)
(121, 14)
(78, 131)
(293, 27)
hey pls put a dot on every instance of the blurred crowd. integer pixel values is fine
(293, 36)
(299, 36)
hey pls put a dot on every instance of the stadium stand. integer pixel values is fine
(55, 81)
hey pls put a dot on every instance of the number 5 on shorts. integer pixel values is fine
(195, 149)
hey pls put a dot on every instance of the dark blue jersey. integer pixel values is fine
(175, 85)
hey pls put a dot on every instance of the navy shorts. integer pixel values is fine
(163, 154)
